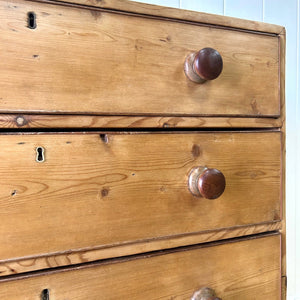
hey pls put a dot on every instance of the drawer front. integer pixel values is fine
(71, 191)
(91, 61)
(240, 270)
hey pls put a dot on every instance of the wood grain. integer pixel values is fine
(90, 62)
(85, 121)
(118, 196)
(248, 269)
(173, 13)
(96, 189)
(73, 257)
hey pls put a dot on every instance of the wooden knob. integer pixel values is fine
(206, 64)
(207, 183)
(205, 294)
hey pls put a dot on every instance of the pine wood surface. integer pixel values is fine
(248, 269)
(97, 189)
(87, 61)
(119, 64)
(172, 13)
(84, 255)
(85, 121)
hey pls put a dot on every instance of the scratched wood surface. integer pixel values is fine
(95, 190)
(88, 61)
(247, 269)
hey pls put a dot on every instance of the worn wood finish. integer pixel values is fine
(87, 61)
(53, 260)
(85, 121)
(105, 189)
(236, 270)
(170, 13)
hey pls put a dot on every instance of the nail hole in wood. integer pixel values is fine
(40, 154)
(31, 20)
(45, 294)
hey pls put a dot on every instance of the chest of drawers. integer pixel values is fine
(142, 153)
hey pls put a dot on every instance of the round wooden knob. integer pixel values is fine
(206, 182)
(205, 294)
(206, 64)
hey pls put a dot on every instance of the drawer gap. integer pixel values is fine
(132, 257)
(145, 130)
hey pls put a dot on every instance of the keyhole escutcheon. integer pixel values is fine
(31, 20)
(40, 154)
(45, 294)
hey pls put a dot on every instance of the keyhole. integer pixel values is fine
(40, 154)
(31, 20)
(45, 294)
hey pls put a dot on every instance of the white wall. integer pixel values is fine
(284, 13)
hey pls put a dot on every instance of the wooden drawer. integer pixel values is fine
(247, 269)
(108, 189)
(81, 59)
